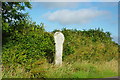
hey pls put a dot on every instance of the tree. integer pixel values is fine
(12, 13)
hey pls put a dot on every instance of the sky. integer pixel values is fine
(77, 15)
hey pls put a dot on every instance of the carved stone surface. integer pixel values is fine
(59, 40)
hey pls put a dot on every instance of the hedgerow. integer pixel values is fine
(31, 44)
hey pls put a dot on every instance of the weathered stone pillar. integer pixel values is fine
(59, 40)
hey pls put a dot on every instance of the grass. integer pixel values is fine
(86, 70)
(77, 69)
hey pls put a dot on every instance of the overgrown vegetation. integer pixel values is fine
(93, 45)
(33, 49)
(28, 52)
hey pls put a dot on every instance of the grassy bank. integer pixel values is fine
(29, 53)
(77, 69)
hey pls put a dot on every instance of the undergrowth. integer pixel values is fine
(77, 69)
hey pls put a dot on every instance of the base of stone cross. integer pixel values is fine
(58, 62)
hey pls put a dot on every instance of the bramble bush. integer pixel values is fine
(92, 45)
(31, 43)
(28, 45)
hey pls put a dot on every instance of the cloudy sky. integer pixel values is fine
(77, 15)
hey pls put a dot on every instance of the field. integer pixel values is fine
(76, 69)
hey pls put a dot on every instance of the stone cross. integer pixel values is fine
(59, 40)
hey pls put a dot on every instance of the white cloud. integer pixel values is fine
(61, 0)
(59, 5)
(74, 0)
(68, 17)
(66, 5)
(55, 5)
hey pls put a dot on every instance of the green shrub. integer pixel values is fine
(28, 46)
(92, 45)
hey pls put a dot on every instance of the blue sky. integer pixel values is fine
(77, 15)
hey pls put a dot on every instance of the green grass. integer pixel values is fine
(85, 70)
(96, 70)
(77, 69)
(94, 74)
